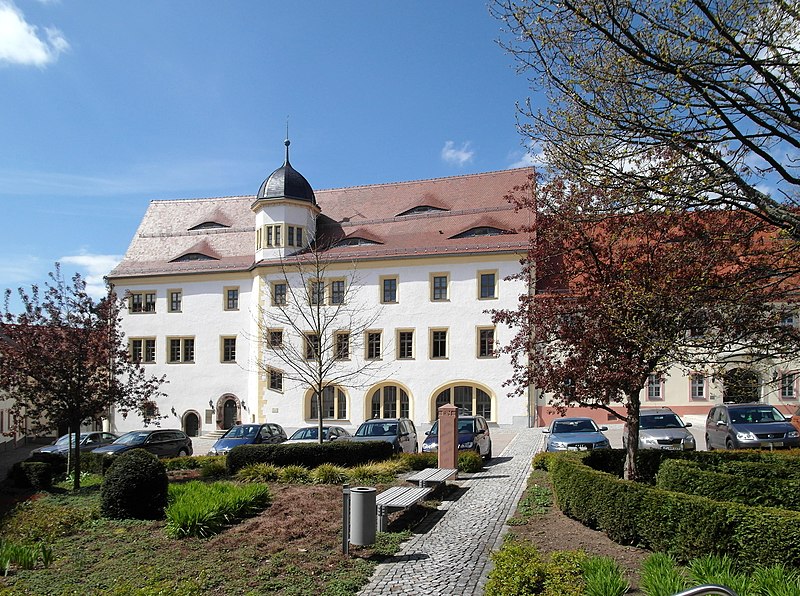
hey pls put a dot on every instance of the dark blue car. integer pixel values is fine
(248, 434)
(473, 434)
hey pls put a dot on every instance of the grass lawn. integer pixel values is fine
(292, 547)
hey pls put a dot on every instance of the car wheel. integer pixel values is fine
(729, 444)
(488, 455)
(183, 453)
(708, 444)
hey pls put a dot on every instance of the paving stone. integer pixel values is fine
(453, 556)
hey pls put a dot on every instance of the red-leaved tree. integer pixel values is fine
(63, 360)
(615, 299)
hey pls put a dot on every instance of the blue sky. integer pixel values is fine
(107, 105)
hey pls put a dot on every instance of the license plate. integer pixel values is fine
(672, 447)
(777, 444)
(577, 448)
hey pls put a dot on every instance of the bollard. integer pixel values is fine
(345, 519)
(363, 514)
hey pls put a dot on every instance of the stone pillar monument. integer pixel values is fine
(448, 436)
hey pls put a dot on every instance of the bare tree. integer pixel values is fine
(680, 104)
(320, 302)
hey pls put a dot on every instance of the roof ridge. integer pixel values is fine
(437, 179)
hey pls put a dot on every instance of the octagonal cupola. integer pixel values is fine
(286, 211)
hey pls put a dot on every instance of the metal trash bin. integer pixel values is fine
(363, 515)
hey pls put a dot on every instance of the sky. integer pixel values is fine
(107, 105)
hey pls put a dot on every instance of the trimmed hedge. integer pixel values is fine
(135, 487)
(688, 477)
(309, 455)
(685, 526)
(32, 474)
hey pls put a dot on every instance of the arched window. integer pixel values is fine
(334, 404)
(469, 399)
(193, 256)
(480, 231)
(389, 401)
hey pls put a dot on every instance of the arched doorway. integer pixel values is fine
(230, 411)
(741, 385)
(471, 399)
(191, 424)
(389, 400)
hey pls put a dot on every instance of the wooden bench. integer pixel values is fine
(433, 476)
(397, 498)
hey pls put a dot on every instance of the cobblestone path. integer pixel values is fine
(452, 557)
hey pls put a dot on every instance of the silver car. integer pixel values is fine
(661, 428)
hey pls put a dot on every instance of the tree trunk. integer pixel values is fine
(632, 434)
(76, 455)
(320, 438)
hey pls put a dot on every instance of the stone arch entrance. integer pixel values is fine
(741, 385)
(229, 412)
(191, 424)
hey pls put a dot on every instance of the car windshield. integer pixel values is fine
(464, 427)
(307, 433)
(133, 438)
(63, 441)
(377, 429)
(241, 432)
(660, 421)
(756, 415)
(574, 426)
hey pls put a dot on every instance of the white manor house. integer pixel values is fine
(432, 257)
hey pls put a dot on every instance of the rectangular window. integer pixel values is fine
(277, 235)
(486, 343)
(405, 345)
(231, 298)
(175, 298)
(316, 293)
(136, 349)
(373, 345)
(389, 290)
(439, 288)
(290, 235)
(788, 319)
(488, 285)
(180, 349)
(298, 240)
(275, 337)
(312, 346)
(698, 386)
(228, 349)
(654, 392)
(278, 294)
(337, 291)
(269, 235)
(342, 345)
(149, 351)
(142, 302)
(439, 343)
(275, 380)
(788, 386)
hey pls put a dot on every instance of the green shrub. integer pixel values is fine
(714, 569)
(690, 478)
(258, 473)
(202, 509)
(135, 487)
(685, 526)
(213, 467)
(565, 576)
(329, 474)
(603, 577)
(96, 463)
(469, 462)
(309, 455)
(420, 461)
(519, 570)
(189, 462)
(370, 474)
(661, 576)
(294, 475)
(32, 474)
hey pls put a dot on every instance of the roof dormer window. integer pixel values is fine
(193, 256)
(208, 225)
(421, 210)
(354, 241)
(480, 231)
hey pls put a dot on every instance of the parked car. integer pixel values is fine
(661, 428)
(310, 434)
(753, 425)
(160, 442)
(248, 434)
(400, 432)
(473, 434)
(575, 434)
(796, 419)
(89, 440)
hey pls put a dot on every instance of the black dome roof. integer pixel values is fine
(286, 182)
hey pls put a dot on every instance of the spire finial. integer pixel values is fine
(287, 142)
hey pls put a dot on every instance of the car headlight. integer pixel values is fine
(792, 434)
(558, 444)
(689, 439)
(466, 445)
(602, 445)
(746, 436)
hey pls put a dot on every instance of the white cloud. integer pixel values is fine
(531, 156)
(458, 156)
(22, 43)
(93, 268)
